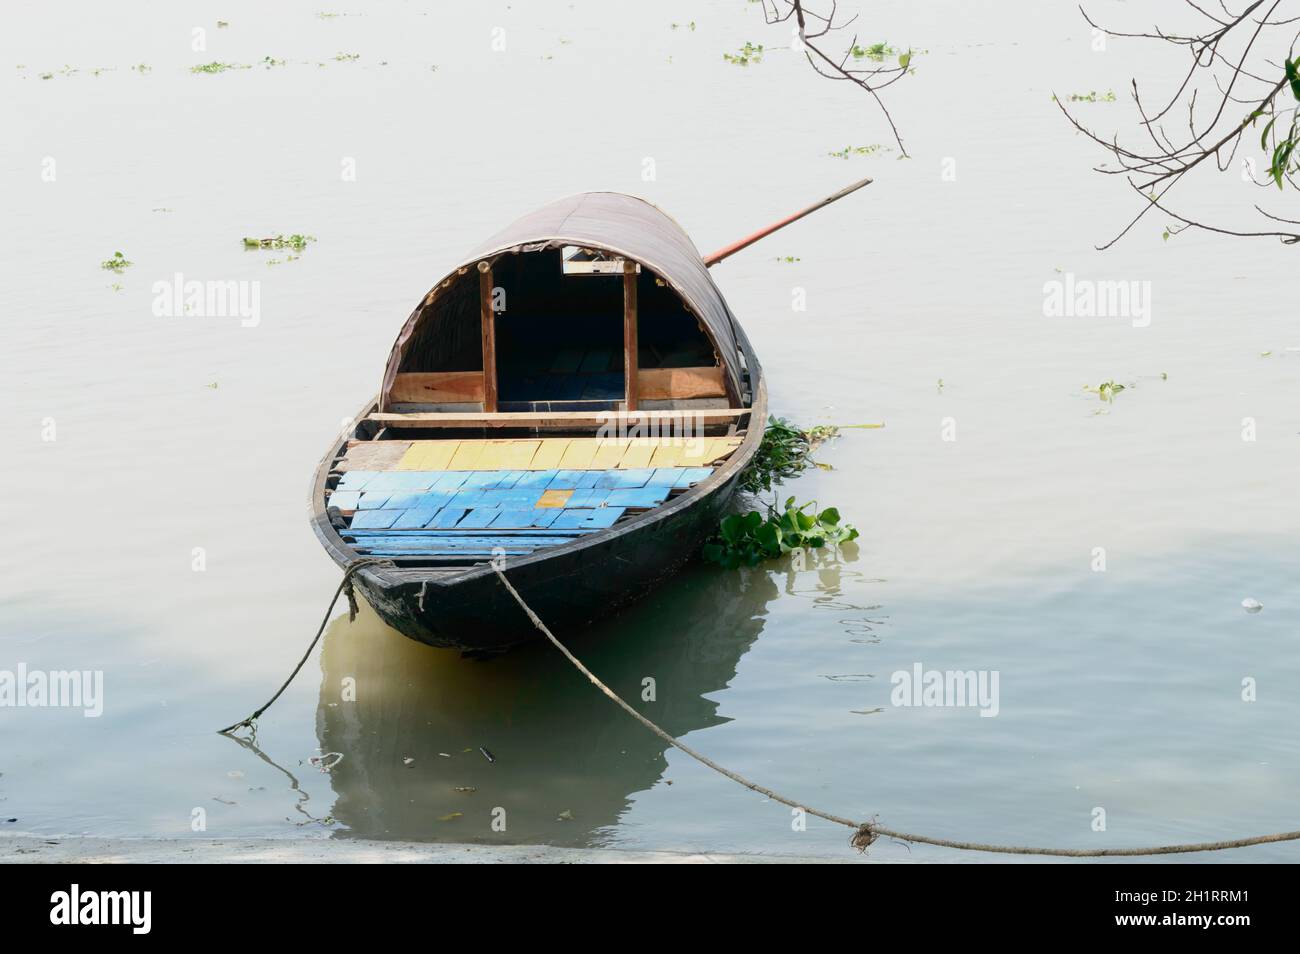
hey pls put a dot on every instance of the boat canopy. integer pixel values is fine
(619, 225)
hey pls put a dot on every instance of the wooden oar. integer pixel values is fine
(720, 254)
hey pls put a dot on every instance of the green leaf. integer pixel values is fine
(1263, 139)
(1293, 75)
(733, 528)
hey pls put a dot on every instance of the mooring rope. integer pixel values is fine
(345, 586)
(866, 833)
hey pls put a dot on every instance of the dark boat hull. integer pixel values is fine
(568, 586)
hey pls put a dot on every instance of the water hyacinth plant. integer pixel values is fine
(750, 538)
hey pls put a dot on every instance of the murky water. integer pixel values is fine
(1119, 689)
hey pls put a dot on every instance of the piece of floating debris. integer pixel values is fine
(487, 755)
(327, 761)
(408, 761)
(565, 815)
(1251, 606)
(466, 788)
(452, 816)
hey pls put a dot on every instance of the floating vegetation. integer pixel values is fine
(117, 263)
(296, 241)
(750, 538)
(848, 151)
(47, 76)
(784, 452)
(876, 51)
(749, 53)
(1107, 390)
(222, 24)
(1090, 97)
(346, 57)
(789, 259)
(142, 68)
(269, 61)
(684, 26)
(217, 67)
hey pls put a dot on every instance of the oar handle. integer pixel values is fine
(720, 254)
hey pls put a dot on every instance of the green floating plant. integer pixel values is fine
(750, 538)
(295, 241)
(784, 452)
(749, 53)
(117, 263)
(1106, 390)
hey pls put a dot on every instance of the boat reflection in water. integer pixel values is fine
(564, 759)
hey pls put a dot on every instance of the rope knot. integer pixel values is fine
(864, 837)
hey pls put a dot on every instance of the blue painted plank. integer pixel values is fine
(665, 477)
(375, 519)
(464, 499)
(587, 498)
(395, 480)
(478, 518)
(484, 539)
(545, 516)
(535, 478)
(403, 501)
(345, 499)
(691, 476)
(372, 500)
(601, 517)
(450, 480)
(484, 479)
(522, 499)
(633, 477)
(566, 480)
(356, 479)
(442, 533)
(589, 478)
(447, 517)
(415, 518)
(512, 519)
(637, 497)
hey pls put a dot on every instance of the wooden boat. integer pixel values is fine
(574, 403)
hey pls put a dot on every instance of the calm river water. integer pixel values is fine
(1119, 690)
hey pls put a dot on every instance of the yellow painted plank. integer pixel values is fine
(507, 454)
(467, 455)
(697, 453)
(520, 454)
(428, 455)
(667, 455)
(639, 452)
(549, 454)
(579, 454)
(554, 498)
(609, 453)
